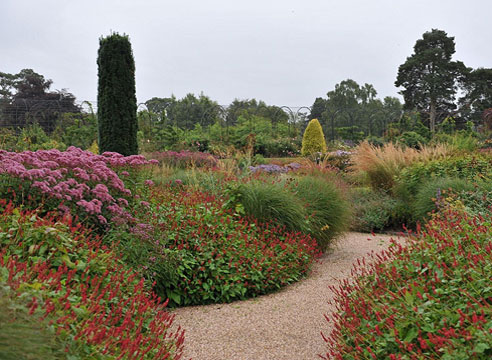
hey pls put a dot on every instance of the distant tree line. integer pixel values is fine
(25, 98)
(436, 88)
(438, 92)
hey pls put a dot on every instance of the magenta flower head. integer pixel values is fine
(149, 182)
(178, 181)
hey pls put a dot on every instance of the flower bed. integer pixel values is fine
(219, 257)
(431, 299)
(97, 308)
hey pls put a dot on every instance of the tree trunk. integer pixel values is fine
(432, 120)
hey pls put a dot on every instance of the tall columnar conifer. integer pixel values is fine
(116, 98)
(313, 140)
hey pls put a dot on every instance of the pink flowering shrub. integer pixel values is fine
(73, 181)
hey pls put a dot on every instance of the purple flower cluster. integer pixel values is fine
(274, 169)
(79, 179)
(186, 158)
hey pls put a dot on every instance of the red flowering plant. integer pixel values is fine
(97, 307)
(74, 181)
(217, 256)
(428, 299)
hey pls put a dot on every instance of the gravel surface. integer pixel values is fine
(283, 325)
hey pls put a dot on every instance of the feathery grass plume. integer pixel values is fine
(382, 164)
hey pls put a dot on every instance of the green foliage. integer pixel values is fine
(412, 139)
(313, 140)
(431, 194)
(328, 212)
(24, 336)
(79, 130)
(373, 210)
(460, 141)
(352, 133)
(33, 137)
(8, 139)
(269, 202)
(470, 167)
(116, 99)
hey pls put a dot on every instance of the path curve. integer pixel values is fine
(283, 325)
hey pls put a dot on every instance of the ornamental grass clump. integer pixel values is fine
(269, 202)
(383, 164)
(428, 299)
(328, 211)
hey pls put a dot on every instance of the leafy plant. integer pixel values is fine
(431, 195)
(373, 210)
(91, 298)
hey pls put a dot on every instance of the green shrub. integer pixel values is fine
(460, 141)
(8, 139)
(412, 139)
(373, 210)
(313, 140)
(33, 138)
(469, 167)
(431, 193)
(328, 212)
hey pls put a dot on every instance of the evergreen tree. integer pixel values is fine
(116, 99)
(430, 77)
(313, 140)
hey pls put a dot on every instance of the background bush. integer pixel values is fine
(431, 195)
(373, 210)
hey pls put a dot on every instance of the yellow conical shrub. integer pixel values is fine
(313, 140)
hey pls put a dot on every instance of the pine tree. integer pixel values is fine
(116, 99)
(313, 140)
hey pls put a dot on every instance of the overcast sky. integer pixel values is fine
(285, 52)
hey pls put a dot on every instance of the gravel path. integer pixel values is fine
(283, 325)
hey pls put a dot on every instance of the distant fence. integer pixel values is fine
(337, 123)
